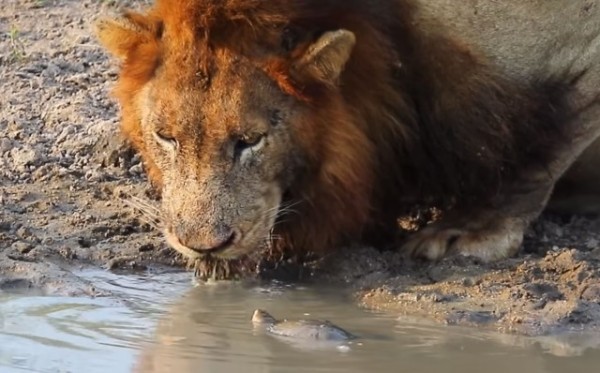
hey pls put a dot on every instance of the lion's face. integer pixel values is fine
(227, 140)
(226, 151)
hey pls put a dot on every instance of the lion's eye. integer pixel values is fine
(165, 140)
(247, 142)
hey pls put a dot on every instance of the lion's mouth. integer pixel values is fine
(175, 243)
(233, 237)
(232, 248)
(216, 251)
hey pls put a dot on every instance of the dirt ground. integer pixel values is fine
(65, 180)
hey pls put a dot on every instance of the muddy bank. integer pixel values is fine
(64, 176)
(554, 293)
(65, 180)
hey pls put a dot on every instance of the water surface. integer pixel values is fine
(163, 323)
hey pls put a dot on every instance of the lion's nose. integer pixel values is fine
(219, 239)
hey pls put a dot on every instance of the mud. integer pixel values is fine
(65, 179)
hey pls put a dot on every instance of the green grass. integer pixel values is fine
(17, 49)
(40, 3)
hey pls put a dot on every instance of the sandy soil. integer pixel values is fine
(65, 180)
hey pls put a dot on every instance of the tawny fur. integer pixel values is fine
(415, 116)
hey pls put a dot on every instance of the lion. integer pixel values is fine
(306, 125)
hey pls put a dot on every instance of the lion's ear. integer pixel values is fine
(325, 59)
(125, 33)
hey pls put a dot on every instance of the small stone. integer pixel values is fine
(146, 247)
(24, 232)
(471, 318)
(48, 241)
(84, 242)
(24, 157)
(51, 70)
(591, 293)
(468, 281)
(436, 297)
(543, 290)
(112, 264)
(592, 243)
(5, 145)
(22, 247)
(67, 253)
(538, 305)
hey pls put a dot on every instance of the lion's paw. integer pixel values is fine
(490, 242)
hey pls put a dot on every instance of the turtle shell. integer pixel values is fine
(320, 330)
(309, 329)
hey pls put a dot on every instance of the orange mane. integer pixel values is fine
(401, 127)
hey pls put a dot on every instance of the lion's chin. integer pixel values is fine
(211, 267)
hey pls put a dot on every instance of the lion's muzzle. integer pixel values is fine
(210, 241)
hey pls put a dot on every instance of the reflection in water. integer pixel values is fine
(209, 330)
(160, 323)
(211, 327)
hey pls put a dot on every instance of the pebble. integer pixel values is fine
(5, 145)
(23, 232)
(23, 157)
(22, 247)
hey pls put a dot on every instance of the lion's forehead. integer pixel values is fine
(227, 76)
(238, 97)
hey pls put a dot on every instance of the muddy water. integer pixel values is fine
(163, 323)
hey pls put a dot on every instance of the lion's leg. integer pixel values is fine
(497, 231)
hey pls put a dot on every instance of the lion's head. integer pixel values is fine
(237, 110)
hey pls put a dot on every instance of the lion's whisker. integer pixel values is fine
(154, 224)
(142, 203)
(149, 213)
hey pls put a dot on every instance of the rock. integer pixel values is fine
(111, 151)
(5, 145)
(23, 157)
(544, 290)
(22, 247)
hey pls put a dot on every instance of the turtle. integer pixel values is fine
(305, 329)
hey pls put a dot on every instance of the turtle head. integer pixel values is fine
(262, 317)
